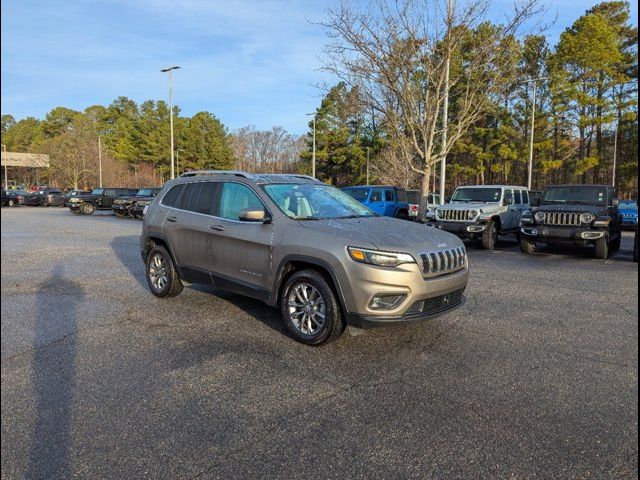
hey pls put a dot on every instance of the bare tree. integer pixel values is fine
(267, 151)
(397, 53)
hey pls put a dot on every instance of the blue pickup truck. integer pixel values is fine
(629, 211)
(384, 200)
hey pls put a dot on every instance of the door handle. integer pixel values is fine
(219, 228)
(172, 219)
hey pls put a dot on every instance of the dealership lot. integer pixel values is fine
(535, 376)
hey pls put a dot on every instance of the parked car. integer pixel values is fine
(413, 204)
(98, 199)
(13, 197)
(629, 211)
(385, 200)
(432, 202)
(45, 197)
(309, 248)
(483, 212)
(576, 215)
(123, 206)
(138, 208)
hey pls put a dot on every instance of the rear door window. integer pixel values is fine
(199, 197)
(389, 196)
(376, 195)
(525, 197)
(518, 197)
(172, 196)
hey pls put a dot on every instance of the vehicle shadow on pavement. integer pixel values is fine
(53, 368)
(256, 309)
(127, 250)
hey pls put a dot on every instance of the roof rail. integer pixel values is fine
(237, 173)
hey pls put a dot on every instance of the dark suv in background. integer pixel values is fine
(309, 248)
(123, 206)
(98, 199)
(45, 197)
(575, 215)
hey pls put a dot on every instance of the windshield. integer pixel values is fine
(315, 201)
(629, 205)
(484, 195)
(360, 194)
(584, 195)
(97, 191)
(144, 192)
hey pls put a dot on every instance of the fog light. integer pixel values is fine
(592, 235)
(529, 231)
(386, 302)
(476, 228)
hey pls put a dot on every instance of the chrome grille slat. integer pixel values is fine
(442, 262)
(454, 215)
(563, 219)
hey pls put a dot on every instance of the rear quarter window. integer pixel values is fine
(171, 197)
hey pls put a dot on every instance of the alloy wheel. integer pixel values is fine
(158, 271)
(306, 308)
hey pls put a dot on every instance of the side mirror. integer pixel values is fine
(615, 202)
(507, 201)
(535, 202)
(256, 215)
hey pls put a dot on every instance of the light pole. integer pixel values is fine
(367, 165)
(100, 161)
(445, 110)
(533, 121)
(6, 181)
(615, 157)
(313, 154)
(170, 70)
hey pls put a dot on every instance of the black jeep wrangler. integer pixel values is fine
(98, 199)
(574, 214)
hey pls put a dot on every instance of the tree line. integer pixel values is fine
(391, 58)
(134, 142)
(400, 65)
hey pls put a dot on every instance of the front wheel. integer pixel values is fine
(602, 248)
(310, 309)
(527, 245)
(490, 236)
(88, 208)
(161, 274)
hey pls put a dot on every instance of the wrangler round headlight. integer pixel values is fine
(587, 217)
(539, 216)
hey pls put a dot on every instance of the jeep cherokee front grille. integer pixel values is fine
(455, 215)
(564, 219)
(442, 262)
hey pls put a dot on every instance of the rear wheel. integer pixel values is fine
(88, 208)
(527, 245)
(602, 248)
(490, 236)
(43, 202)
(161, 274)
(310, 309)
(402, 215)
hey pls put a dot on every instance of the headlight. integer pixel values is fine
(74, 200)
(539, 216)
(472, 214)
(381, 259)
(143, 203)
(587, 218)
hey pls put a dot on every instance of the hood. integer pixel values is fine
(386, 233)
(595, 209)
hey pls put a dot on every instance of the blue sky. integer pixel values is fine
(247, 61)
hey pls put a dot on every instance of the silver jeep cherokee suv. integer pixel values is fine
(293, 241)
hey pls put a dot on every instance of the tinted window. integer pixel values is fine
(55, 192)
(469, 194)
(389, 196)
(376, 196)
(525, 197)
(199, 197)
(518, 197)
(359, 194)
(236, 197)
(171, 198)
(110, 192)
(578, 194)
(508, 197)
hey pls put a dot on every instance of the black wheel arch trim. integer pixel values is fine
(280, 273)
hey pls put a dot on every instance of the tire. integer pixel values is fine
(527, 245)
(43, 203)
(161, 274)
(615, 245)
(490, 236)
(602, 248)
(88, 208)
(635, 248)
(308, 291)
(402, 215)
(119, 214)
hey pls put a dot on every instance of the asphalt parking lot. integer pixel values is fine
(535, 377)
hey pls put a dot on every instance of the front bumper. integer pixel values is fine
(428, 309)
(122, 208)
(461, 229)
(543, 233)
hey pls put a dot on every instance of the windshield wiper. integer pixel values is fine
(307, 218)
